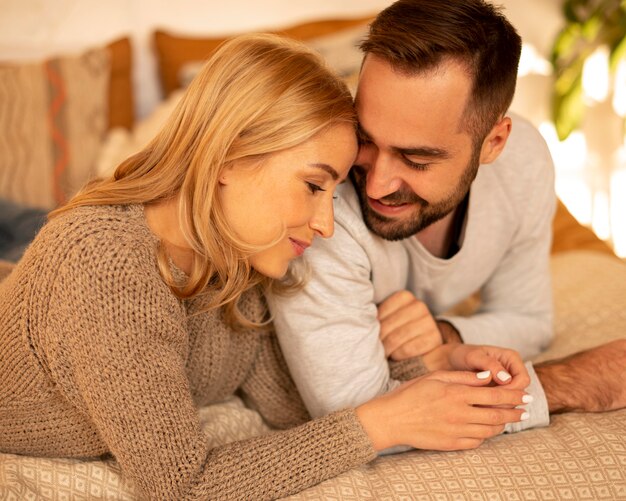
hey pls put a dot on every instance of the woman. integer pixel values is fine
(138, 301)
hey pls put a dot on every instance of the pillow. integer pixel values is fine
(53, 116)
(120, 143)
(174, 51)
(569, 234)
(340, 51)
(121, 106)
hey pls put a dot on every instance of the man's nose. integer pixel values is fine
(381, 174)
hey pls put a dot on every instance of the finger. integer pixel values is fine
(494, 396)
(520, 381)
(393, 303)
(415, 347)
(482, 431)
(412, 312)
(512, 362)
(519, 371)
(462, 377)
(393, 339)
(481, 360)
(495, 416)
(425, 340)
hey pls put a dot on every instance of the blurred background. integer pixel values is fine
(572, 78)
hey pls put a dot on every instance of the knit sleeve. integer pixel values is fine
(269, 388)
(410, 368)
(117, 347)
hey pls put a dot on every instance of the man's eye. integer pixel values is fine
(415, 165)
(314, 188)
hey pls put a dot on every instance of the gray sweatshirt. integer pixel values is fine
(329, 332)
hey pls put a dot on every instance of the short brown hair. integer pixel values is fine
(417, 35)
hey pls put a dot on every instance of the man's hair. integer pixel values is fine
(415, 36)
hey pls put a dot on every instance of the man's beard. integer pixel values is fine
(425, 213)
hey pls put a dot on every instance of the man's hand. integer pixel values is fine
(506, 366)
(441, 411)
(589, 381)
(449, 333)
(407, 329)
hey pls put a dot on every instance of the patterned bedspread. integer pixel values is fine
(579, 456)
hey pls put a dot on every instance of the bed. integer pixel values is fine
(579, 456)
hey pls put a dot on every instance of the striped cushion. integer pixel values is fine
(53, 117)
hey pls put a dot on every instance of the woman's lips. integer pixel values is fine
(299, 246)
(387, 210)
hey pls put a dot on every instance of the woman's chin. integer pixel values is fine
(275, 271)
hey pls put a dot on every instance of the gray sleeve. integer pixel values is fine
(537, 409)
(329, 332)
(516, 301)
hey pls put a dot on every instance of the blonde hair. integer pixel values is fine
(257, 95)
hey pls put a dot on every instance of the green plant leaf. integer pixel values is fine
(589, 24)
(569, 75)
(617, 54)
(591, 27)
(565, 45)
(568, 110)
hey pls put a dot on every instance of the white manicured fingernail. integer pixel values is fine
(503, 376)
(524, 416)
(483, 375)
(527, 399)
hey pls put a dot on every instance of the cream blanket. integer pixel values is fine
(579, 456)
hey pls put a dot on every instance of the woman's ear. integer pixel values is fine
(495, 141)
(225, 175)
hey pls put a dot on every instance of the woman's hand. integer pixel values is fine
(407, 329)
(441, 411)
(506, 366)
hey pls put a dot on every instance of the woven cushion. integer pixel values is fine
(53, 116)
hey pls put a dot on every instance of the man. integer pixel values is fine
(448, 196)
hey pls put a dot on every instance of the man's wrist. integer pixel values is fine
(449, 334)
(588, 381)
(557, 385)
(439, 358)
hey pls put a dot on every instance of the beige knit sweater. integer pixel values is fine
(97, 356)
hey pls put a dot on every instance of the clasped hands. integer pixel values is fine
(469, 395)
(407, 329)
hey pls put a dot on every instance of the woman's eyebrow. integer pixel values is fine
(333, 173)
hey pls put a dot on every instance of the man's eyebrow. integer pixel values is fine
(418, 151)
(422, 151)
(325, 167)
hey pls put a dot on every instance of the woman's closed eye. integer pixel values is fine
(314, 188)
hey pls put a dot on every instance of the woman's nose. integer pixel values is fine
(323, 220)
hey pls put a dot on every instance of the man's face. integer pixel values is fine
(416, 162)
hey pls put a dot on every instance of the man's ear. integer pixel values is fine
(495, 141)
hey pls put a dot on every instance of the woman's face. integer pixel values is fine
(291, 192)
